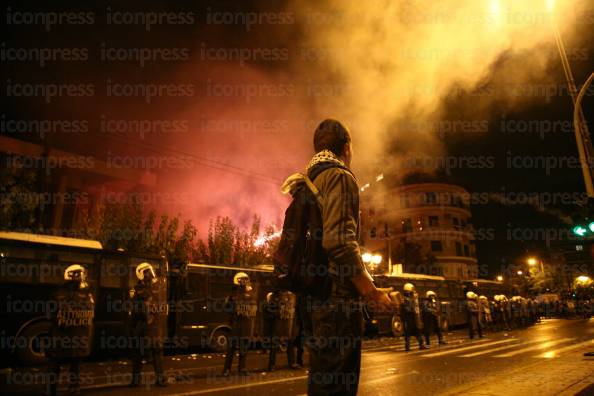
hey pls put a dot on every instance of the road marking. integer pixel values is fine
(387, 378)
(500, 348)
(556, 352)
(455, 350)
(532, 348)
(449, 346)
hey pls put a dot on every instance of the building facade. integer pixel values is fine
(421, 228)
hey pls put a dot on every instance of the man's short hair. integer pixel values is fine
(331, 135)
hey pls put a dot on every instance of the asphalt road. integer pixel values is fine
(547, 356)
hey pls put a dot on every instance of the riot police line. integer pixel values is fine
(283, 327)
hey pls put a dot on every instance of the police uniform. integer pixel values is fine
(242, 306)
(71, 332)
(411, 319)
(431, 319)
(473, 312)
(486, 317)
(147, 330)
(280, 319)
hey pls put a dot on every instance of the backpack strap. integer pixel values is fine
(312, 187)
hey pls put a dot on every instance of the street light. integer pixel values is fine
(519, 272)
(532, 261)
(367, 257)
(500, 278)
(376, 259)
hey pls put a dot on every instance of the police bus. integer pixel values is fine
(31, 271)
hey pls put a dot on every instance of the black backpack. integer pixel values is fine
(301, 262)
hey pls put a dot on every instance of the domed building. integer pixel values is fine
(423, 228)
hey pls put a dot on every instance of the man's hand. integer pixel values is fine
(379, 302)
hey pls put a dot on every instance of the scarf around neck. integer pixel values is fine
(324, 156)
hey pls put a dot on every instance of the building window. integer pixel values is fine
(436, 246)
(433, 221)
(431, 198)
(404, 201)
(466, 251)
(373, 233)
(406, 225)
(458, 249)
(456, 223)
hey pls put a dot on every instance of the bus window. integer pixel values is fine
(197, 286)
(112, 272)
(220, 290)
(443, 292)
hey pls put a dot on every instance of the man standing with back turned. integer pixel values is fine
(334, 326)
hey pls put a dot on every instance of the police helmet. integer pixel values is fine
(240, 277)
(269, 297)
(72, 270)
(470, 295)
(409, 287)
(483, 298)
(140, 268)
(430, 293)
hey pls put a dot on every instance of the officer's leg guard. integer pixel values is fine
(54, 371)
(243, 348)
(272, 355)
(136, 367)
(74, 377)
(158, 364)
(231, 345)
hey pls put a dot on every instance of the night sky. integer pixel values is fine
(237, 127)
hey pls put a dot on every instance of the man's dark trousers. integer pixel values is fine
(334, 340)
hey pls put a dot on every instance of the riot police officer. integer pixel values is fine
(473, 312)
(486, 318)
(242, 306)
(499, 321)
(431, 317)
(411, 316)
(280, 320)
(147, 324)
(72, 327)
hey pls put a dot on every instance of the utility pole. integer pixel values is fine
(582, 135)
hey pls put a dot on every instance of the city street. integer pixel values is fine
(548, 356)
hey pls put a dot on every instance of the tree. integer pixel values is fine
(20, 198)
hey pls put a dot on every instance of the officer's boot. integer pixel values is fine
(74, 378)
(406, 343)
(158, 362)
(300, 354)
(242, 361)
(228, 361)
(291, 354)
(421, 344)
